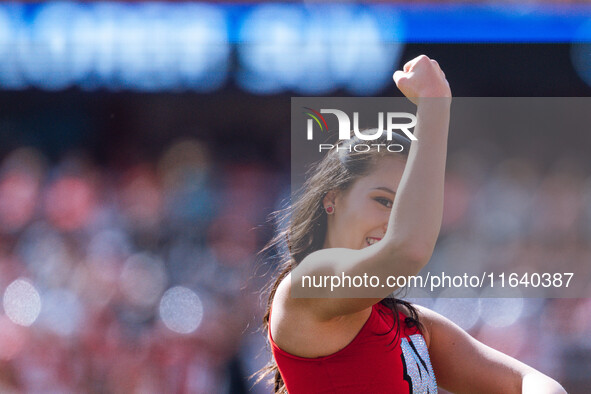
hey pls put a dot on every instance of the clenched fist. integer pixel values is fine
(422, 77)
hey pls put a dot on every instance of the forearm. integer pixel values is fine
(418, 208)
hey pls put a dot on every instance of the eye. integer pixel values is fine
(384, 201)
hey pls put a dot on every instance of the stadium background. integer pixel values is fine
(137, 174)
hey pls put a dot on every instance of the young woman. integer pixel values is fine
(378, 213)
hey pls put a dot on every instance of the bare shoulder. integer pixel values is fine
(295, 328)
(280, 304)
(289, 320)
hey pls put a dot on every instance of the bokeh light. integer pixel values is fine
(22, 302)
(181, 310)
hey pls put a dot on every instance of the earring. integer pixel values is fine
(329, 210)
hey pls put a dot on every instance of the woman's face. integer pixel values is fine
(362, 212)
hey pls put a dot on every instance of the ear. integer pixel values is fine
(329, 199)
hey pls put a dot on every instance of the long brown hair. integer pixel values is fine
(306, 231)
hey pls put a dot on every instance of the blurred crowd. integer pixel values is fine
(140, 280)
(145, 279)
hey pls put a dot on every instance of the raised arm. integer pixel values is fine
(418, 207)
(416, 213)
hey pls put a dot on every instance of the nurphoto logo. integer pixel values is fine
(393, 122)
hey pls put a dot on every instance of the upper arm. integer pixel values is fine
(341, 270)
(464, 365)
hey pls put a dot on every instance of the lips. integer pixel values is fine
(371, 240)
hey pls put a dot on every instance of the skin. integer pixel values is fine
(367, 204)
(408, 223)
(461, 363)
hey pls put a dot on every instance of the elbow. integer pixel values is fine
(536, 382)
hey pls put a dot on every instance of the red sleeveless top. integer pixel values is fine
(375, 361)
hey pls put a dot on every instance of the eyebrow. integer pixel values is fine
(384, 189)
